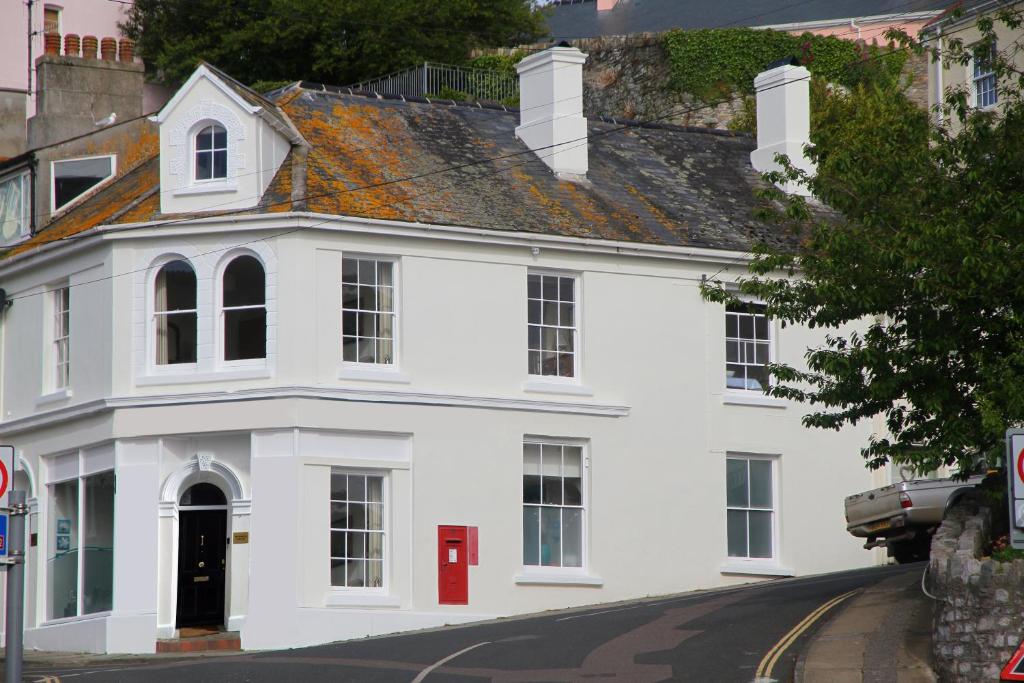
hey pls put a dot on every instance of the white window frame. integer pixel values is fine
(219, 309)
(772, 344)
(537, 381)
(388, 532)
(974, 79)
(536, 573)
(194, 167)
(152, 367)
(25, 229)
(53, 181)
(358, 369)
(754, 562)
(82, 474)
(60, 305)
(60, 17)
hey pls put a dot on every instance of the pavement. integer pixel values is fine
(881, 635)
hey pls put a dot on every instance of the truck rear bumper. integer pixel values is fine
(883, 527)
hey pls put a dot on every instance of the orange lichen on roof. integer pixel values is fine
(657, 213)
(356, 155)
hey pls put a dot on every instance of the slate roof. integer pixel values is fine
(461, 165)
(582, 20)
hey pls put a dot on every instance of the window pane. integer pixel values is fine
(367, 272)
(356, 487)
(731, 326)
(551, 461)
(760, 534)
(98, 543)
(337, 544)
(552, 490)
(202, 494)
(374, 573)
(533, 286)
(338, 572)
(531, 488)
(339, 486)
(204, 140)
(220, 137)
(551, 537)
(533, 363)
(176, 287)
(375, 516)
(746, 327)
(356, 573)
(736, 482)
(356, 547)
(549, 287)
(572, 538)
(375, 489)
(176, 338)
(349, 270)
(566, 315)
(550, 316)
(73, 178)
(245, 334)
(565, 289)
(244, 283)
(385, 273)
(757, 377)
(533, 308)
(339, 515)
(375, 546)
(760, 483)
(63, 550)
(204, 165)
(531, 535)
(737, 521)
(356, 516)
(761, 327)
(367, 351)
(735, 376)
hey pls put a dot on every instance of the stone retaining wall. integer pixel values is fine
(979, 618)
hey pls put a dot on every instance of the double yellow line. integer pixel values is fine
(764, 669)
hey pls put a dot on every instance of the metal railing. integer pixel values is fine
(445, 80)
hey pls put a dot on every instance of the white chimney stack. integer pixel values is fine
(551, 120)
(783, 121)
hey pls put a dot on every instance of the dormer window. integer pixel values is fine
(211, 153)
(14, 207)
(73, 178)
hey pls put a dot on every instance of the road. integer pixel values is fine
(723, 636)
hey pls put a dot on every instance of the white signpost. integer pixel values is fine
(1015, 483)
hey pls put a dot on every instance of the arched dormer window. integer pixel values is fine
(244, 310)
(174, 314)
(211, 153)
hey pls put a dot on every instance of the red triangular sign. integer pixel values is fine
(1014, 669)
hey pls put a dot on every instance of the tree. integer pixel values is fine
(331, 41)
(915, 268)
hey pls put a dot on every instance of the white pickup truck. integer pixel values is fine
(903, 516)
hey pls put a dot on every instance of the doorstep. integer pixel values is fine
(201, 640)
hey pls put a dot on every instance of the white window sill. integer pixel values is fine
(373, 374)
(752, 398)
(542, 386)
(54, 397)
(354, 599)
(556, 578)
(206, 188)
(735, 566)
(199, 377)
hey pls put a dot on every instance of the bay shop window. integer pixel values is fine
(80, 539)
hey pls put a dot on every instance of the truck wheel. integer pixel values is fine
(912, 551)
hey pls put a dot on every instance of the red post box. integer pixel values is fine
(452, 565)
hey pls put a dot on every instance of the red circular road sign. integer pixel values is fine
(5, 477)
(1020, 467)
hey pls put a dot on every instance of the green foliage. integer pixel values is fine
(715, 63)
(913, 273)
(503, 63)
(339, 42)
(267, 86)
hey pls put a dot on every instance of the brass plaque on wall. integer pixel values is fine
(240, 537)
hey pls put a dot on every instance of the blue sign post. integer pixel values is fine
(3, 537)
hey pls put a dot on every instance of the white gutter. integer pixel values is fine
(902, 17)
(303, 220)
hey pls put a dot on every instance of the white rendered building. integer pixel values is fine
(325, 365)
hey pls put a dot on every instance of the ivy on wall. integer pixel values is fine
(715, 63)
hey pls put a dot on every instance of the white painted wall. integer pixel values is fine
(446, 427)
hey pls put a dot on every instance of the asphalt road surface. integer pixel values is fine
(714, 636)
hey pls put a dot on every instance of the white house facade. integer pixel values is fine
(292, 378)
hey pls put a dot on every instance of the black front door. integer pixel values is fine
(202, 553)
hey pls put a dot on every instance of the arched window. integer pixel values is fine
(202, 494)
(245, 310)
(211, 153)
(175, 314)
